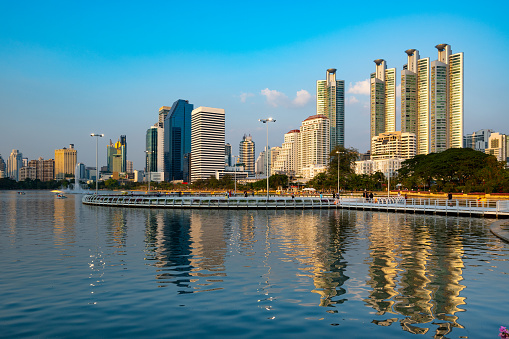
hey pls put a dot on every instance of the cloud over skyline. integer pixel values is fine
(279, 99)
(360, 87)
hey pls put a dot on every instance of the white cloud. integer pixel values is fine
(302, 98)
(360, 87)
(277, 99)
(351, 100)
(244, 96)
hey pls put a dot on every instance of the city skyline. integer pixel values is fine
(104, 76)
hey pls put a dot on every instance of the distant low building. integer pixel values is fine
(478, 140)
(499, 146)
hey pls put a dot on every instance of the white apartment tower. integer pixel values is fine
(314, 145)
(330, 101)
(247, 154)
(382, 99)
(207, 142)
(288, 159)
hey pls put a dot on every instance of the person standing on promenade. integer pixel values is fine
(449, 198)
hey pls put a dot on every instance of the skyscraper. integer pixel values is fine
(330, 101)
(177, 139)
(228, 155)
(117, 155)
(382, 99)
(163, 113)
(207, 142)
(151, 148)
(247, 154)
(14, 164)
(432, 100)
(65, 162)
(409, 90)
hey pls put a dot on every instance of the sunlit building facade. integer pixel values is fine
(247, 154)
(207, 142)
(382, 99)
(330, 101)
(314, 146)
(65, 162)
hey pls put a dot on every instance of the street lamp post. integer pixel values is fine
(266, 121)
(97, 135)
(235, 174)
(148, 170)
(338, 153)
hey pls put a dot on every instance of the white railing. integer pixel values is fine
(471, 207)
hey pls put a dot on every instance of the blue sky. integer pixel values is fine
(71, 68)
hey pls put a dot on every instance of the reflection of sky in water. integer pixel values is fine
(258, 272)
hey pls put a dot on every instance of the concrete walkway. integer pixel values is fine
(500, 229)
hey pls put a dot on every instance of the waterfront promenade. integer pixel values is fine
(463, 207)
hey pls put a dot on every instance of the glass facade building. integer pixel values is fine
(177, 140)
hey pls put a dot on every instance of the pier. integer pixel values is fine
(460, 207)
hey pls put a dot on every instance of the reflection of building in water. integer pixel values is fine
(168, 246)
(64, 217)
(382, 269)
(415, 271)
(320, 249)
(117, 228)
(208, 247)
(188, 248)
(247, 234)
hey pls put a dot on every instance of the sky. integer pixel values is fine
(68, 69)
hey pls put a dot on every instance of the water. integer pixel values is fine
(70, 270)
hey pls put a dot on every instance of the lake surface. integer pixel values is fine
(70, 270)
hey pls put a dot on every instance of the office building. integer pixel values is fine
(151, 149)
(177, 139)
(247, 154)
(207, 142)
(163, 113)
(314, 146)
(228, 155)
(382, 99)
(478, 140)
(394, 145)
(330, 102)
(129, 167)
(498, 146)
(65, 162)
(117, 155)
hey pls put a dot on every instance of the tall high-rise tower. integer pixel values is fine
(247, 154)
(409, 90)
(382, 99)
(14, 164)
(432, 100)
(207, 135)
(177, 139)
(330, 101)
